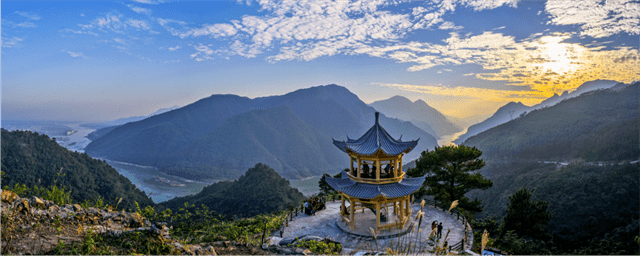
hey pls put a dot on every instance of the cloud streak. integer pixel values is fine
(597, 18)
(77, 55)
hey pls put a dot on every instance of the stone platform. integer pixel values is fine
(327, 224)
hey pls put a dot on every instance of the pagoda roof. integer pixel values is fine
(375, 139)
(406, 186)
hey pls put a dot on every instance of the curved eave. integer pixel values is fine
(369, 191)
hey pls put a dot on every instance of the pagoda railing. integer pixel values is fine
(375, 181)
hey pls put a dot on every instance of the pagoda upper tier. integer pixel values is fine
(374, 140)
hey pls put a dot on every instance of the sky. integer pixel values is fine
(103, 60)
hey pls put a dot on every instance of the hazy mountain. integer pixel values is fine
(599, 125)
(419, 113)
(585, 87)
(259, 190)
(33, 159)
(513, 110)
(502, 115)
(293, 140)
(121, 121)
(275, 136)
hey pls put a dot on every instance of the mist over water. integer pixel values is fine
(448, 139)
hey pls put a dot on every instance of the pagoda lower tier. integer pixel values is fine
(378, 198)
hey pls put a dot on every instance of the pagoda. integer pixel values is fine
(377, 181)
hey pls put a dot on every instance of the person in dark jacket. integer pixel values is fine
(439, 229)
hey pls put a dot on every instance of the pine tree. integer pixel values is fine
(526, 217)
(451, 175)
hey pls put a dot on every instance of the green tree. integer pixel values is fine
(451, 176)
(526, 217)
(325, 188)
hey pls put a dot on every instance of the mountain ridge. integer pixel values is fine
(509, 111)
(331, 110)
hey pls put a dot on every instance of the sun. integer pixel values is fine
(558, 58)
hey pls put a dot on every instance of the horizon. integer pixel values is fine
(100, 61)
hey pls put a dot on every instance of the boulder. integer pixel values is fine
(24, 206)
(8, 196)
(77, 208)
(37, 202)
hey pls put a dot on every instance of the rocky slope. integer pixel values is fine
(35, 226)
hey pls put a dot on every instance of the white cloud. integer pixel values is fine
(174, 48)
(215, 31)
(499, 28)
(597, 18)
(164, 22)
(11, 42)
(203, 52)
(68, 30)
(120, 41)
(77, 55)
(306, 30)
(449, 25)
(140, 9)
(28, 15)
(139, 24)
(115, 22)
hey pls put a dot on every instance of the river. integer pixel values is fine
(448, 139)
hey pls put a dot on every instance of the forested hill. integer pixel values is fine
(600, 125)
(259, 190)
(315, 114)
(36, 160)
(513, 110)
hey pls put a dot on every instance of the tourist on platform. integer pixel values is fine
(365, 170)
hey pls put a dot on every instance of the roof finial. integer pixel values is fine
(377, 115)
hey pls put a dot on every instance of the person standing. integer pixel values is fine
(434, 224)
(439, 229)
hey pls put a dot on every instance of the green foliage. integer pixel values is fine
(527, 218)
(199, 224)
(59, 196)
(33, 160)
(20, 189)
(320, 247)
(515, 245)
(261, 190)
(491, 225)
(451, 176)
(325, 188)
(129, 243)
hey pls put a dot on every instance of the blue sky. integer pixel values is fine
(102, 60)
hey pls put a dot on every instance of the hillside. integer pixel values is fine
(33, 159)
(419, 113)
(321, 113)
(597, 126)
(260, 190)
(512, 109)
(265, 136)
